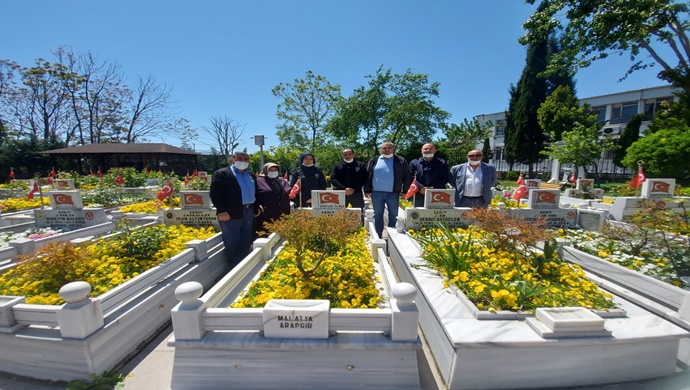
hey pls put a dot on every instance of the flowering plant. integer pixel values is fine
(500, 271)
(345, 277)
(104, 265)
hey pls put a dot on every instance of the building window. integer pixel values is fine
(498, 154)
(623, 112)
(500, 128)
(653, 105)
(601, 113)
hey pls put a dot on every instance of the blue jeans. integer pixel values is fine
(379, 201)
(238, 236)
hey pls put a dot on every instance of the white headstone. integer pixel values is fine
(658, 188)
(328, 199)
(439, 199)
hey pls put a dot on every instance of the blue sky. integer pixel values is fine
(224, 57)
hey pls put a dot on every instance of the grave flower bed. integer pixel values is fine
(496, 278)
(18, 204)
(646, 259)
(345, 277)
(151, 206)
(104, 265)
(33, 233)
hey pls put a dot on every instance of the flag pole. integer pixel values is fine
(300, 192)
(640, 163)
(40, 190)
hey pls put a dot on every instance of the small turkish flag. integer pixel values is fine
(100, 173)
(63, 199)
(285, 176)
(296, 189)
(49, 180)
(573, 178)
(521, 192)
(119, 179)
(328, 197)
(414, 188)
(639, 179)
(195, 173)
(52, 173)
(34, 190)
(520, 180)
(186, 179)
(165, 191)
(11, 174)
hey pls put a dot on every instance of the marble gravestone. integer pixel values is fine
(67, 212)
(331, 202)
(195, 211)
(543, 205)
(438, 209)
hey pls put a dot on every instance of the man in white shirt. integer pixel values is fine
(473, 181)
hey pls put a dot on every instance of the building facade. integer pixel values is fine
(614, 111)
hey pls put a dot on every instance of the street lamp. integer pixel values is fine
(259, 141)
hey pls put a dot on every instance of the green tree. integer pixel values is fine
(573, 128)
(486, 150)
(664, 153)
(306, 107)
(524, 138)
(461, 138)
(394, 107)
(560, 111)
(630, 135)
(594, 29)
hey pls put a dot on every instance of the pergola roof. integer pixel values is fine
(123, 149)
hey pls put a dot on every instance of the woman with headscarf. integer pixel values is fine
(272, 194)
(311, 178)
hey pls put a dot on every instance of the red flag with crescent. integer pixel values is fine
(186, 179)
(573, 178)
(520, 180)
(52, 173)
(660, 186)
(521, 192)
(119, 179)
(639, 179)
(414, 188)
(165, 191)
(33, 190)
(441, 197)
(296, 189)
(545, 197)
(100, 173)
(49, 180)
(193, 199)
(63, 199)
(195, 173)
(11, 173)
(328, 197)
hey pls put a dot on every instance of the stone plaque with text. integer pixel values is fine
(296, 318)
(69, 218)
(416, 219)
(191, 217)
(354, 213)
(553, 218)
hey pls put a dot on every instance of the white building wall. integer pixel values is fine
(612, 104)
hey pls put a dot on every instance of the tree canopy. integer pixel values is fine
(651, 32)
(664, 153)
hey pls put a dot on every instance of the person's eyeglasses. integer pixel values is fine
(474, 155)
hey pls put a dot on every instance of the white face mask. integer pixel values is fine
(308, 165)
(474, 163)
(272, 175)
(427, 155)
(241, 165)
(387, 155)
(349, 161)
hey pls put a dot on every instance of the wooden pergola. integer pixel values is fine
(165, 157)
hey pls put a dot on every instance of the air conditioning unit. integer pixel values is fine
(612, 130)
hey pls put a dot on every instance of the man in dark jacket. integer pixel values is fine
(233, 193)
(388, 176)
(429, 171)
(350, 175)
(310, 177)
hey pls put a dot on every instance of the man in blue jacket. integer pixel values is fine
(233, 193)
(429, 171)
(389, 176)
(473, 181)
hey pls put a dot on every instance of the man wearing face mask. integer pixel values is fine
(388, 177)
(311, 178)
(429, 171)
(473, 181)
(233, 193)
(349, 175)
